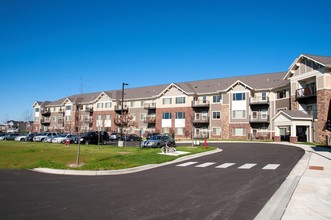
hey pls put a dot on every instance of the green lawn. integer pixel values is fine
(27, 155)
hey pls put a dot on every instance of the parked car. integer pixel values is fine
(49, 139)
(92, 137)
(21, 137)
(42, 136)
(10, 136)
(30, 136)
(149, 135)
(114, 136)
(132, 137)
(60, 138)
(72, 139)
(159, 141)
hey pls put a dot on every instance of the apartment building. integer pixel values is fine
(292, 105)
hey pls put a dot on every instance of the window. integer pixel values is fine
(238, 114)
(100, 105)
(68, 107)
(166, 115)
(67, 118)
(180, 115)
(281, 94)
(132, 104)
(216, 115)
(36, 119)
(54, 118)
(216, 98)
(264, 96)
(179, 131)
(166, 101)
(281, 109)
(238, 96)
(239, 132)
(108, 117)
(108, 105)
(142, 103)
(142, 117)
(99, 117)
(217, 131)
(180, 100)
(264, 114)
(37, 110)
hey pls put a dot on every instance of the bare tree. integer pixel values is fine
(125, 121)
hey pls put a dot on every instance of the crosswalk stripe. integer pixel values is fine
(247, 166)
(205, 164)
(186, 164)
(225, 165)
(271, 167)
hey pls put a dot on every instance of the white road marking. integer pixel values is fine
(225, 165)
(247, 166)
(271, 167)
(205, 164)
(186, 164)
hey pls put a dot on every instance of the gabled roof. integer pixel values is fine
(322, 60)
(294, 114)
(267, 81)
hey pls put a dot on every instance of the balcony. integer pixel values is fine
(150, 120)
(90, 110)
(200, 135)
(149, 106)
(259, 101)
(200, 104)
(45, 121)
(306, 92)
(88, 120)
(45, 111)
(312, 113)
(259, 118)
(118, 108)
(200, 120)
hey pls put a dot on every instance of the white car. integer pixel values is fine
(41, 137)
(60, 138)
(21, 138)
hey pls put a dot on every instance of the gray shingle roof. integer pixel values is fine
(297, 114)
(258, 82)
(326, 60)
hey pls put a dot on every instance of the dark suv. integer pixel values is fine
(92, 137)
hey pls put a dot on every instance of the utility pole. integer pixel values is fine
(122, 111)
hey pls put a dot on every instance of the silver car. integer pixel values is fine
(159, 141)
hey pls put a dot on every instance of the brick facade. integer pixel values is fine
(323, 104)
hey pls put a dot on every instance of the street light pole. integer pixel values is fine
(123, 84)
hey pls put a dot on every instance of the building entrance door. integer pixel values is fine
(302, 133)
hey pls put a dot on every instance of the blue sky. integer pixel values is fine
(56, 48)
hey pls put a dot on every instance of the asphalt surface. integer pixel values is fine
(167, 192)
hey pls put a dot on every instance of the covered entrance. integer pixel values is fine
(293, 126)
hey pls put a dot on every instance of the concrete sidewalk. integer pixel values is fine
(306, 192)
(312, 196)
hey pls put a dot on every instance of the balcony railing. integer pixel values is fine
(200, 103)
(150, 105)
(119, 108)
(259, 118)
(89, 110)
(150, 120)
(88, 120)
(305, 92)
(204, 119)
(259, 101)
(200, 135)
(46, 111)
(45, 121)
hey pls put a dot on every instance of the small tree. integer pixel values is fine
(125, 121)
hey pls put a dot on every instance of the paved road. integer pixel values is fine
(233, 184)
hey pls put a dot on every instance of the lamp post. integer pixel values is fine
(123, 84)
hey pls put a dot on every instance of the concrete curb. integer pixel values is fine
(123, 171)
(276, 206)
